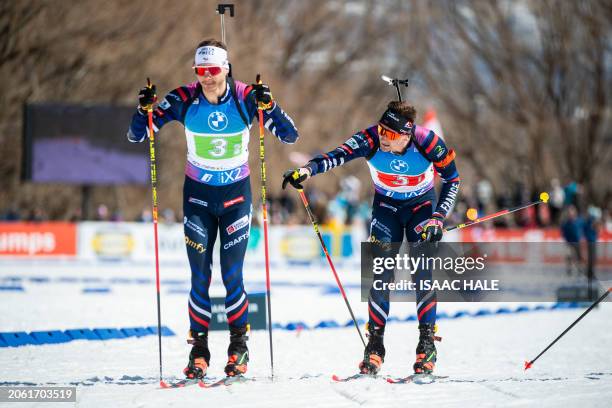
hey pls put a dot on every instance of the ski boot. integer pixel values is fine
(374, 353)
(199, 357)
(238, 353)
(426, 349)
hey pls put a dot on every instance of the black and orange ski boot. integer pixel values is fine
(199, 357)
(237, 352)
(426, 353)
(374, 353)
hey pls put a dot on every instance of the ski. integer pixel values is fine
(227, 381)
(353, 377)
(416, 379)
(180, 383)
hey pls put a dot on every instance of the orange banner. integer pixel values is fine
(38, 239)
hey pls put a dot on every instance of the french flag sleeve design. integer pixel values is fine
(443, 160)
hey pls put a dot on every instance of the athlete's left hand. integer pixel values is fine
(433, 229)
(263, 96)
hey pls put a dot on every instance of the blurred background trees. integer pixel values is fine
(522, 88)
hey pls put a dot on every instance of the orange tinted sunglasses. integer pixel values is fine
(212, 70)
(388, 133)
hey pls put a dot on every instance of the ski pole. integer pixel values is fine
(154, 193)
(331, 264)
(528, 364)
(262, 158)
(543, 199)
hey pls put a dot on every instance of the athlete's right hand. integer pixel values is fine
(295, 177)
(147, 96)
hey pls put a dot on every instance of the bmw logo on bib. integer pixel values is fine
(399, 166)
(217, 121)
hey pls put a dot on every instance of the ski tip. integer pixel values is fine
(528, 365)
(335, 377)
(163, 384)
(202, 384)
(390, 380)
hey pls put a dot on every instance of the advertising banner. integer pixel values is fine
(36, 240)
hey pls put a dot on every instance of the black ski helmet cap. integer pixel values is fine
(396, 122)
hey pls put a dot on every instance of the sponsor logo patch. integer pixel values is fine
(194, 227)
(385, 205)
(237, 225)
(197, 201)
(164, 104)
(352, 143)
(399, 166)
(217, 121)
(236, 241)
(229, 203)
(195, 245)
(420, 227)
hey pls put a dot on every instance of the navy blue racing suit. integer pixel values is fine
(404, 201)
(217, 191)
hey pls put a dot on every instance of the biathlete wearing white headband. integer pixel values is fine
(217, 113)
(210, 55)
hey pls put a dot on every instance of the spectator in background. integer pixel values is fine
(591, 228)
(36, 215)
(76, 215)
(571, 193)
(168, 216)
(145, 215)
(102, 213)
(556, 201)
(484, 195)
(11, 214)
(572, 229)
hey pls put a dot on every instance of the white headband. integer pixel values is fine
(210, 55)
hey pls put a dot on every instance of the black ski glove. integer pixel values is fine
(147, 96)
(263, 96)
(433, 229)
(296, 177)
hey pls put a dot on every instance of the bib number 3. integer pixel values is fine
(217, 148)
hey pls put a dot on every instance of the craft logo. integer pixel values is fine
(217, 121)
(236, 241)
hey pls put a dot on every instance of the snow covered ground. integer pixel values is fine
(482, 357)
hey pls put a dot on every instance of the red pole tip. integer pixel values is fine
(528, 364)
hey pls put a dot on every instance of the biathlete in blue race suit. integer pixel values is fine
(217, 113)
(402, 158)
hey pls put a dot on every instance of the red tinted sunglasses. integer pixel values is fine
(202, 71)
(388, 133)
